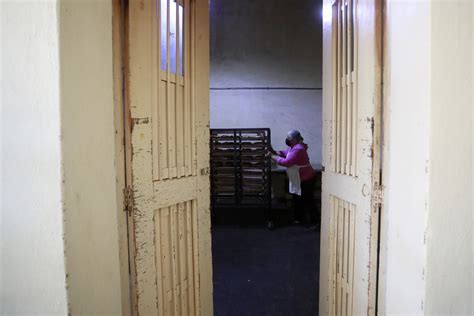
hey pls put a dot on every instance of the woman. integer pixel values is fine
(300, 174)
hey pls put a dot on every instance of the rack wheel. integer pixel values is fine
(270, 225)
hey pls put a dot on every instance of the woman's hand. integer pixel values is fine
(272, 151)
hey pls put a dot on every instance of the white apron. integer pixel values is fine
(293, 173)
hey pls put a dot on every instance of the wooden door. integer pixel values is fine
(167, 96)
(351, 156)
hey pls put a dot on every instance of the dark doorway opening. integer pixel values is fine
(266, 72)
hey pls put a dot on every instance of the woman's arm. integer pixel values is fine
(291, 158)
(281, 153)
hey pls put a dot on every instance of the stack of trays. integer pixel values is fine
(240, 170)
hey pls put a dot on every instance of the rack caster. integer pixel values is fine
(270, 225)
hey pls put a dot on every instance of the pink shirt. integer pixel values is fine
(297, 155)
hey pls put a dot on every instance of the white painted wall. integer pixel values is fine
(58, 159)
(32, 252)
(274, 43)
(449, 270)
(427, 246)
(406, 158)
(87, 113)
(279, 110)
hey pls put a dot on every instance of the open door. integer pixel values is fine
(351, 186)
(167, 148)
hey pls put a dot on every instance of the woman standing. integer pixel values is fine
(300, 173)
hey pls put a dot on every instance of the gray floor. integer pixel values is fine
(262, 272)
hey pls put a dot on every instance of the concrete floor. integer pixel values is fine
(262, 272)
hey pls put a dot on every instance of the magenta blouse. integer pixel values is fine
(297, 155)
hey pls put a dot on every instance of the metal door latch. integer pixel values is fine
(377, 195)
(128, 199)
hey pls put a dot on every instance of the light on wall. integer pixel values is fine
(327, 12)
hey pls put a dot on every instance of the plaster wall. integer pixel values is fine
(260, 44)
(449, 270)
(254, 108)
(33, 278)
(426, 245)
(407, 106)
(87, 114)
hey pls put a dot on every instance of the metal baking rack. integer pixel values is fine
(240, 170)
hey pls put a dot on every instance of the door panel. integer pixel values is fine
(343, 216)
(167, 132)
(176, 257)
(352, 116)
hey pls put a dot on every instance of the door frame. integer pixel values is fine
(121, 127)
(384, 142)
(122, 149)
(378, 129)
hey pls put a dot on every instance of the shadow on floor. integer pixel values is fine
(262, 272)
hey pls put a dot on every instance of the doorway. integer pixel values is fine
(265, 79)
(167, 134)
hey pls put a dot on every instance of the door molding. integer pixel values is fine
(120, 126)
(384, 131)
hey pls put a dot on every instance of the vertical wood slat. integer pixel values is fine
(183, 278)
(170, 102)
(349, 87)
(354, 88)
(335, 88)
(182, 91)
(193, 92)
(189, 255)
(182, 49)
(159, 262)
(187, 90)
(345, 244)
(163, 141)
(166, 263)
(174, 260)
(344, 88)
(332, 256)
(180, 131)
(156, 65)
(196, 257)
(339, 254)
(162, 119)
(183, 121)
(173, 166)
(177, 105)
(168, 98)
(339, 87)
(350, 277)
(336, 252)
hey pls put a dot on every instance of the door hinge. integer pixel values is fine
(205, 171)
(128, 199)
(377, 195)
